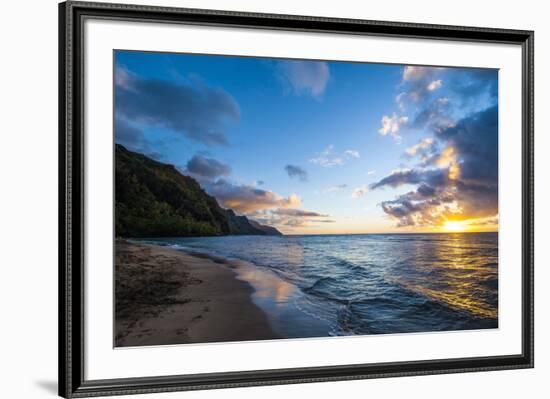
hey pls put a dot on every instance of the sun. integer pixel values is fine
(454, 226)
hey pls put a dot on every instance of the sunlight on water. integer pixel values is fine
(457, 278)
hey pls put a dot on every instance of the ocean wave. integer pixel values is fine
(371, 284)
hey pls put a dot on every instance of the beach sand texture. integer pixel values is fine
(164, 296)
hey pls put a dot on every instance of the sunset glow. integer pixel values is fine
(352, 147)
(454, 226)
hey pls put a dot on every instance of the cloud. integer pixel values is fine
(352, 153)
(128, 135)
(305, 77)
(418, 82)
(457, 177)
(195, 110)
(133, 139)
(302, 222)
(359, 192)
(296, 213)
(392, 124)
(415, 73)
(296, 171)
(434, 115)
(291, 218)
(338, 187)
(426, 149)
(420, 147)
(400, 100)
(371, 172)
(327, 159)
(411, 176)
(475, 139)
(473, 84)
(458, 181)
(244, 199)
(123, 78)
(434, 85)
(207, 167)
(469, 89)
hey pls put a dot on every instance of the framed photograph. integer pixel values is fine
(253, 199)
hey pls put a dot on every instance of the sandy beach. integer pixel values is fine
(164, 296)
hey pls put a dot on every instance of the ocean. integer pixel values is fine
(334, 285)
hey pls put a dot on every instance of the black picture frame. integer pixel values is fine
(71, 196)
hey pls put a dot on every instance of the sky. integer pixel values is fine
(320, 147)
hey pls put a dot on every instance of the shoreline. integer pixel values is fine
(164, 296)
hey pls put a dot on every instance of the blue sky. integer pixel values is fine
(320, 147)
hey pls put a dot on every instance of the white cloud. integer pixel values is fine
(305, 77)
(419, 147)
(326, 159)
(123, 78)
(359, 192)
(414, 72)
(371, 172)
(392, 124)
(352, 153)
(400, 100)
(434, 85)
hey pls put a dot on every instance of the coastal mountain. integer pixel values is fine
(153, 199)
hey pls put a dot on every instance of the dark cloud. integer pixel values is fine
(296, 171)
(425, 191)
(292, 217)
(426, 151)
(197, 111)
(133, 139)
(246, 199)
(207, 167)
(470, 84)
(289, 217)
(466, 85)
(475, 140)
(458, 181)
(457, 176)
(425, 206)
(128, 135)
(467, 90)
(297, 213)
(298, 222)
(435, 115)
(412, 176)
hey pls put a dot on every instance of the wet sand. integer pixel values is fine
(164, 296)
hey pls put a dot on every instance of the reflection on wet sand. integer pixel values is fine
(266, 285)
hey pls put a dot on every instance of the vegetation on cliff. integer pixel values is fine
(153, 199)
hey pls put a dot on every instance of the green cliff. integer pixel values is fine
(153, 199)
